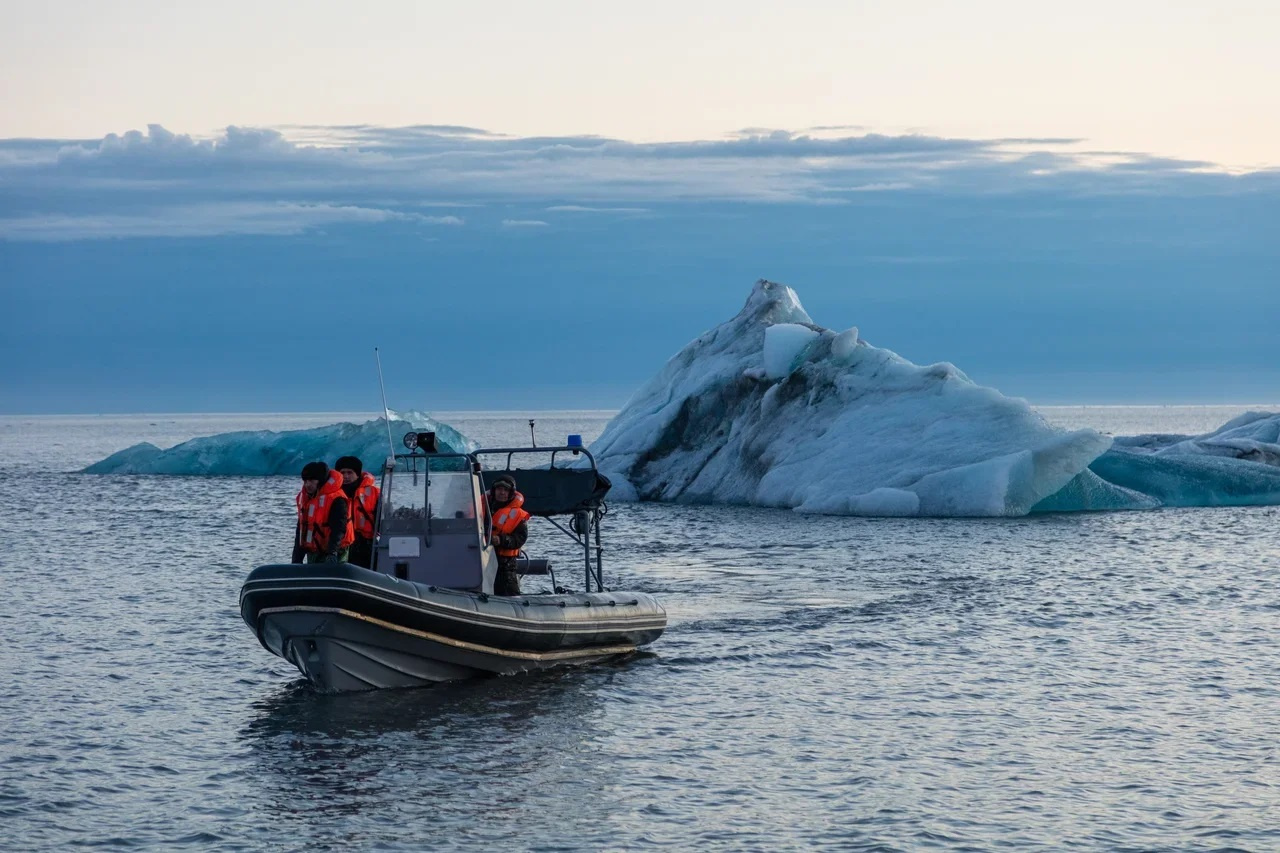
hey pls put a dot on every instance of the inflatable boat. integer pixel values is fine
(425, 612)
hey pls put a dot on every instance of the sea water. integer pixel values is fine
(1082, 681)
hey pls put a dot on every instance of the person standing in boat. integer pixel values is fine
(362, 495)
(510, 532)
(324, 532)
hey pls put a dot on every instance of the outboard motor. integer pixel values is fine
(432, 526)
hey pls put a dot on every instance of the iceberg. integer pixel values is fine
(267, 453)
(1253, 437)
(1237, 464)
(771, 409)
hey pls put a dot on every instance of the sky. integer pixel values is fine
(225, 207)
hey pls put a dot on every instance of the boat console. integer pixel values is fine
(433, 524)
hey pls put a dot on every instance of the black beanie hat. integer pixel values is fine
(349, 462)
(315, 471)
(505, 478)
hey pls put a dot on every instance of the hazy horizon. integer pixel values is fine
(596, 410)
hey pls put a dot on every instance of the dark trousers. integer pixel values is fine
(361, 552)
(507, 582)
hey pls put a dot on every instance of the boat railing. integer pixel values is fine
(577, 491)
(575, 450)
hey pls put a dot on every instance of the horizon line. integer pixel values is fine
(600, 411)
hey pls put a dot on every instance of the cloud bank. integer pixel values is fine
(283, 182)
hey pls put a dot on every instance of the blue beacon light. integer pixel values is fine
(574, 441)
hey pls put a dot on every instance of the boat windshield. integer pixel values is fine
(448, 495)
(406, 495)
(452, 495)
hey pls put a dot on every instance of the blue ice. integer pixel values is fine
(266, 453)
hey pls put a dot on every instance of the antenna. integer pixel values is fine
(532, 438)
(386, 413)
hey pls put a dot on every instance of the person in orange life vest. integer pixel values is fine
(324, 531)
(362, 494)
(510, 532)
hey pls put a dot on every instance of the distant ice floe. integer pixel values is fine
(770, 409)
(265, 453)
(1237, 464)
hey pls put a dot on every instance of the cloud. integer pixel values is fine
(282, 181)
(873, 188)
(159, 145)
(579, 208)
(523, 223)
(203, 220)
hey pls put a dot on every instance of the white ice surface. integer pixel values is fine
(784, 347)
(1253, 436)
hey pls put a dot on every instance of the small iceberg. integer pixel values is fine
(1237, 464)
(770, 409)
(258, 453)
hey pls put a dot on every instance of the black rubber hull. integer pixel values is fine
(347, 628)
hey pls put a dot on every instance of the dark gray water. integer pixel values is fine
(1099, 681)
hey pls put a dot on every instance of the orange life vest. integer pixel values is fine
(364, 505)
(507, 519)
(313, 516)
